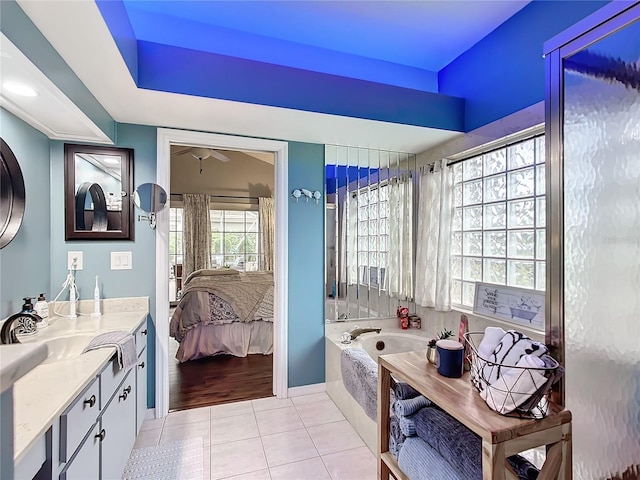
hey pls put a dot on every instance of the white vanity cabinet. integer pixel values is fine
(100, 439)
(86, 463)
(118, 429)
(141, 374)
(99, 428)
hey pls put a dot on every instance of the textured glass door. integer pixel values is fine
(601, 188)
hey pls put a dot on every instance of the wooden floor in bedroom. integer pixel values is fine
(215, 380)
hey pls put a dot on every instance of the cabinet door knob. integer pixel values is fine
(127, 390)
(101, 435)
(144, 332)
(90, 401)
(141, 365)
(123, 396)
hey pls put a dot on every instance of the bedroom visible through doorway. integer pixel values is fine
(221, 288)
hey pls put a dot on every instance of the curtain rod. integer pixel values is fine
(222, 196)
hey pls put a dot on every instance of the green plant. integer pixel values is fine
(441, 336)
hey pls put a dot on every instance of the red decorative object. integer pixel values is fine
(403, 317)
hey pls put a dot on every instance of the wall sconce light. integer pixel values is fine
(299, 192)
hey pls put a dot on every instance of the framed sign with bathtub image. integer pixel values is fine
(520, 306)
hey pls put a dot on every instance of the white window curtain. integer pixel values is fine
(349, 241)
(400, 257)
(435, 217)
(266, 212)
(197, 233)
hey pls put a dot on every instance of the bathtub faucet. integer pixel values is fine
(356, 332)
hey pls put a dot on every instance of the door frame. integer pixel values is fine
(165, 138)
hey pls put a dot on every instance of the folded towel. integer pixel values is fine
(360, 379)
(403, 408)
(407, 425)
(489, 342)
(459, 446)
(396, 438)
(419, 461)
(124, 344)
(395, 447)
(508, 352)
(404, 391)
(523, 468)
(515, 386)
(394, 429)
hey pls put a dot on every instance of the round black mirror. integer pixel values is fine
(12, 195)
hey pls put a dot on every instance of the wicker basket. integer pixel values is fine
(518, 391)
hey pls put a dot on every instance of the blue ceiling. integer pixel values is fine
(377, 60)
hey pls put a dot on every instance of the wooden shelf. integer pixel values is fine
(501, 436)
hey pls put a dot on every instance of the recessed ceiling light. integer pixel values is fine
(19, 89)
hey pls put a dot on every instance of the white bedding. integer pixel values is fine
(238, 338)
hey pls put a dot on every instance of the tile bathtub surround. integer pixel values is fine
(270, 439)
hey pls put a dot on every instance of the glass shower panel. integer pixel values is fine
(602, 252)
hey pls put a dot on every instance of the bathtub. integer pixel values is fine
(386, 342)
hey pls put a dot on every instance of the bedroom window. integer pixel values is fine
(499, 221)
(235, 240)
(235, 236)
(175, 242)
(373, 235)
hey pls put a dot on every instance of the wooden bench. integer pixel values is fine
(501, 436)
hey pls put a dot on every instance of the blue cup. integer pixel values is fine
(450, 358)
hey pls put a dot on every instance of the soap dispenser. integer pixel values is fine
(26, 325)
(42, 310)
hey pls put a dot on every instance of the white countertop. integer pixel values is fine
(17, 360)
(46, 391)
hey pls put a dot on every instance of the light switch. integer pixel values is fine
(121, 261)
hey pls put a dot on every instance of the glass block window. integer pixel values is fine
(499, 222)
(373, 235)
(235, 240)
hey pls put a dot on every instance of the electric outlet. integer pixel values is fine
(74, 260)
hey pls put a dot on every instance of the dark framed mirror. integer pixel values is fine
(12, 195)
(97, 181)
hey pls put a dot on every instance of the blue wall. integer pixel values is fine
(39, 252)
(504, 72)
(24, 263)
(137, 282)
(306, 267)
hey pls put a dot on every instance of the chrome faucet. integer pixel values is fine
(8, 334)
(356, 332)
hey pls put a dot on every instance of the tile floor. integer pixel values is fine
(299, 438)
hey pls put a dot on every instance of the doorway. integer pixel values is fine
(166, 138)
(210, 345)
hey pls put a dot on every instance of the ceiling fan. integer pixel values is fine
(201, 153)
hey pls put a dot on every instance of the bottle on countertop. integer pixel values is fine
(26, 325)
(96, 300)
(42, 310)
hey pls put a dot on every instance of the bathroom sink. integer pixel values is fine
(65, 348)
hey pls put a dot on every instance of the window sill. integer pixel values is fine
(511, 326)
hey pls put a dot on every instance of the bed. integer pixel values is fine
(224, 311)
